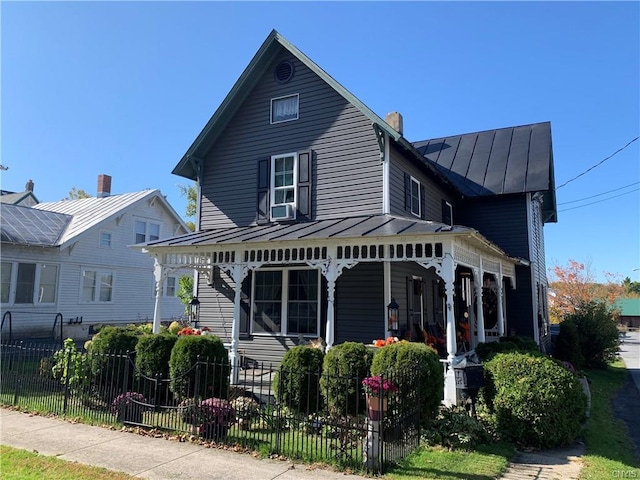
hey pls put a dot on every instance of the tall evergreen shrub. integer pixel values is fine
(598, 333)
(296, 382)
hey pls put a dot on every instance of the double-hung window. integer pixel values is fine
(283, 185)
(284, 109)
(28, 283)
(415, 197)
(97, 286)
(286, 302)
(146, 231)
(170, 287)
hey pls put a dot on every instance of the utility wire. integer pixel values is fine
(599, 194)
(598, 164)
(599, 201)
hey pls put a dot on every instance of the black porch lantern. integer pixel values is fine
(392, 315)
(194, 311)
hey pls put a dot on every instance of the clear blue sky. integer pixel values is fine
(124, 88)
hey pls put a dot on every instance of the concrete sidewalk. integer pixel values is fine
(144, 456)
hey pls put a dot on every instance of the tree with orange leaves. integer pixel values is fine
(574, 285)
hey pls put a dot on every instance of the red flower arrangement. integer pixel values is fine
(381, 343)
(377, 386)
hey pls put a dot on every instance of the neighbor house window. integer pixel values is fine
(29, 283)
(5, 281)
(105, 239)
(147, 231)
(97, 286)
(284, 109)
(415, 197)
(170, 288)
(286, 302)
(283, 185)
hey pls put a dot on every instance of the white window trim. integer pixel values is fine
(166, 287)
(147, 222)
(272, 187)
(13, 283)
(417, 182)
(272, 122)
(284, 327)
(450, 207)
(99, 272)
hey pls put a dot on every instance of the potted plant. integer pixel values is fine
(128, 407)
(377, 389)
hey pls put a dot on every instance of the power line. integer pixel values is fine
(598, 164)
(599, 194)
(599, 201)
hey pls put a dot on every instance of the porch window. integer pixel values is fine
(97, 286)
(29, 283)
(5, 285)
(286, 302)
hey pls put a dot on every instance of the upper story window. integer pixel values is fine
(28, 283)
(283, 186)
(170, 287)
(414, 197)
(447, 213)
(105, 239)
(284, 109)
(147, 231)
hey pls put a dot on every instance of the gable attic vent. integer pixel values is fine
(283, 72)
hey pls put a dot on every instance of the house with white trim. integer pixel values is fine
(315, 215)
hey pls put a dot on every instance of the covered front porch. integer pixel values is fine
(438, 275)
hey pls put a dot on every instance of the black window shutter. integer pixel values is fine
(264, 177)
(423, 202)
(305, 175)
(245, 304)
(407, 192)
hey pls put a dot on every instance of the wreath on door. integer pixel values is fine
(489, 308)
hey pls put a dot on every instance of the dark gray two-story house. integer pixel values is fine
(315, 216)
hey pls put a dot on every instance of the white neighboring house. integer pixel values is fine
(74, 258)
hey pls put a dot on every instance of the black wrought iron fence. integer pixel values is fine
(266, 410)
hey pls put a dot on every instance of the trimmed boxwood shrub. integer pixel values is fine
(598, 333)
(535, 402)
(212, 372)
(486, 351)
(567, 345)
(406, 363)
(107, 355)
(344, 367)
(153, 353)
(295, 383)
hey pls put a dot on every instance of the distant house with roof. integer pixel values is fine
(26, 198)
(629, 312)
(74, 258)
(318, 218)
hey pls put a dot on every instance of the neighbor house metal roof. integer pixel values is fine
(21, 225)
(629, 307)
(497, 162)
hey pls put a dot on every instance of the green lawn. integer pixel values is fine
(609, 449)
(18, 464)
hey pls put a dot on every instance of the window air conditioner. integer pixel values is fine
(282, 212)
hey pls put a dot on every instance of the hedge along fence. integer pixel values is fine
(534, 401)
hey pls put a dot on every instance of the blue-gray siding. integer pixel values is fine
(346, 171)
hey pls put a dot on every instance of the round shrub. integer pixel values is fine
(597, 332)
(153, 353)
(212, 371)
(295, 383)
(486, 351)
(410, 366)
(343, 369)
(108, 356)
(536, 402)
(567, 346)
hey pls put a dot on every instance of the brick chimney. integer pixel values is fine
(394, 119)
(104, 186)
(29, 186)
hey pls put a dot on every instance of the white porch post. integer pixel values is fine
(386, 268)
(500, 299)
(479, 274)
(448, 275)
(238, 272)
(158, 274)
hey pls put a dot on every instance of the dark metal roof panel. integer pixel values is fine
(29, 226)
(352, 227)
